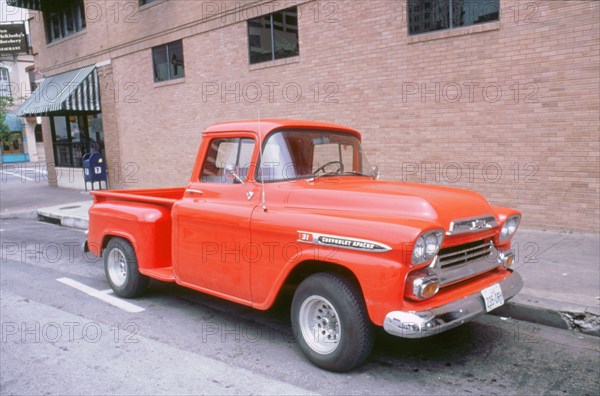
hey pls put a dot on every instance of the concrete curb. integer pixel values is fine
(72, 215)
(552, 313)
(20, 214)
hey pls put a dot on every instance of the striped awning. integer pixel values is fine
(29, 4)
(73, 92)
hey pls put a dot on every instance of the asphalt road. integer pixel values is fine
(61, 337)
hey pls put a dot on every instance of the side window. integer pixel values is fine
(224, 152)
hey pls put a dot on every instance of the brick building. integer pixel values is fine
(497, 96)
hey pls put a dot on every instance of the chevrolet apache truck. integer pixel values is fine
(277, 204)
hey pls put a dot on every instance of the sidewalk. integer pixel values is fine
(561, 272)
(561, 275)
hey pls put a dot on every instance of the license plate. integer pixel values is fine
(493, 297)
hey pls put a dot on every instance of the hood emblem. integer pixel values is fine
(478, 224)
(473, 224)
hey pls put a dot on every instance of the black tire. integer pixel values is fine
(355, 330)
(126, 280)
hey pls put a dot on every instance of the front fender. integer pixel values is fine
(381, 275)
(381, 279)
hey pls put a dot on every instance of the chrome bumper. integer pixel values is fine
(419, 324)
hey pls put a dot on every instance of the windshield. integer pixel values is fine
(298, 154)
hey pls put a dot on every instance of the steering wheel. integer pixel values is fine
(340, 168)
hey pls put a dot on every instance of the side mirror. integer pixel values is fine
(231, 172)
(375, 172)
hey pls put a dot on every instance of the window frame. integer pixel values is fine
(56, 17)
(6, 83)
(272, 34)
(166, 46)
(85, 141)
(237, 140)
(451, 11)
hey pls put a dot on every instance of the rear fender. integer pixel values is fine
(147, 227)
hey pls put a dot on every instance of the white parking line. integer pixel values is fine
(17, 175)
(102, 295)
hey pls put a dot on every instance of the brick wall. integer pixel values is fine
(110, 123)
(509, 108)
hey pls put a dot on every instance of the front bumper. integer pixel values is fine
(419, 324)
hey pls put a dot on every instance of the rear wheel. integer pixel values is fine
(121, 267)
(331, 322)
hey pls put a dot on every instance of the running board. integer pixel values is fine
(164, 274)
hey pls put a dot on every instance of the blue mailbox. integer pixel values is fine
(94, 170)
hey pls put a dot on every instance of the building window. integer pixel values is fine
(14, 144)
(32, 84)
(168, 61)
(4, 82)
(39, 136)
(431, 15)
(63, 18)
(273, 36)
(75, 135)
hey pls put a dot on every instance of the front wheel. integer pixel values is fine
(331, 322)
(121, 267)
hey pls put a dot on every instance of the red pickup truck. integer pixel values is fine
(282, 203)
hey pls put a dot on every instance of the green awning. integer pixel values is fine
(13, 122)
(29, 4)
(73, 92)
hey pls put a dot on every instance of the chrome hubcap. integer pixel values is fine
(319, 324)
(117, 267)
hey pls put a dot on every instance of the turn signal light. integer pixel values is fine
(506, 258)
(422, 285)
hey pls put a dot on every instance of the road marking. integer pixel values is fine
(102, 295)
(17, 175)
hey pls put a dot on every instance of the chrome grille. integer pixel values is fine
(463, 254)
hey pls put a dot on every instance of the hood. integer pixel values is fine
(388, 198)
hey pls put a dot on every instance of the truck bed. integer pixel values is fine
(161, 196)
(142, 217)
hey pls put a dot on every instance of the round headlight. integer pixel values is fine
(431, 245)
(419, 251)
(512, 225)
(427, 246)
(509, 227)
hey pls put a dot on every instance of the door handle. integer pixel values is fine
(192, 191)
